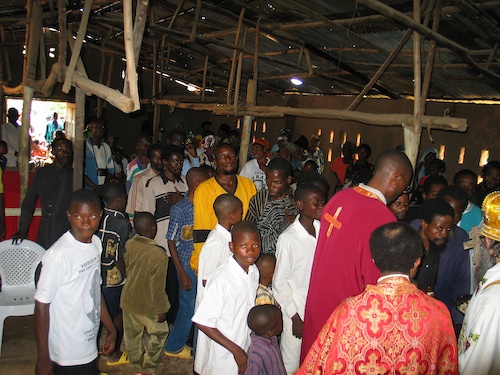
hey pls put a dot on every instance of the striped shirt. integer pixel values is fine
(264, 357)
(269, 215)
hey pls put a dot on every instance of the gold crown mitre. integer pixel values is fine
(491, 216)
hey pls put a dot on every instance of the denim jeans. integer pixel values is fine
(182, 326)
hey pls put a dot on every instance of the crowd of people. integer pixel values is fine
(279, 273)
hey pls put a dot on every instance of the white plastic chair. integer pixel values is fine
(18, 264)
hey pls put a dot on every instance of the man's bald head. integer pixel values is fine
(392, 174)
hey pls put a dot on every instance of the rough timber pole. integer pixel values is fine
(247, 122)
(412, 134)
(78, 142)
(24, 146)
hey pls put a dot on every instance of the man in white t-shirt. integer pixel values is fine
(68, 299)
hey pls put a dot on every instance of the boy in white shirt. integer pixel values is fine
(68, 299)
(222, 314)
(295, 253)
(215, 251)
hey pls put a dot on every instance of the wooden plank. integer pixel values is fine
(233, 63)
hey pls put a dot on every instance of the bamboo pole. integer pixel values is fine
(78, 143)
(246, 131)
(63, 35)
(374, 119)
(195, 21)
(233, 63)
(77, 47)
(128, 31)
(430, 59)
(204, 86)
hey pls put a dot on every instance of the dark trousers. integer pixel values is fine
(172, 290)
(88, 369)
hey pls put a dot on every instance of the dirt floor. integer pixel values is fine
(19, 353)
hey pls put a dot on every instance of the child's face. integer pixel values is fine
(246, 248)
(266, 271)
(84, 219)
(312, 205)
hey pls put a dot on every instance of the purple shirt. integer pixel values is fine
(264, 357)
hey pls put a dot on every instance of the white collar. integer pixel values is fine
(374, 191)
(382, 278)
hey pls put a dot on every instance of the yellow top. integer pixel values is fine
(204, 214)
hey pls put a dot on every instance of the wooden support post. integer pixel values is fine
(82, 31)
(238, 74)
(24, 143)
(43, 56)
(412, 134)
(256, 54)
(154, 80)
(128, 31)
(430, 60)
(63, 35)
(205, 68)
(6, 59)
(101, 81)
(32, 45)
(308, 61)
(301, 55)
(195, 21)
(233, 63)
(246, 132)
(109, 75)
(176, 14)
(141, 15)
(78, 142)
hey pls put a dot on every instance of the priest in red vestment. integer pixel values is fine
(342, 265)
(392, 327)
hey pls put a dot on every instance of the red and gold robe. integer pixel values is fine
(391, 328)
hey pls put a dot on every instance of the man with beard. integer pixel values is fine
(160, 194)
(225, 181)
(454, 271)
(273, 209)
(434, 227)
(54, 185)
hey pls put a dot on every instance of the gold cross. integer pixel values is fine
(333, 221)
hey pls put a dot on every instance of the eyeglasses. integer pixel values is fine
(408, 188)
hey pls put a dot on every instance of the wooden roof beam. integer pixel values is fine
(401, 18)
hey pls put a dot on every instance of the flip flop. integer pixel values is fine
(122, 361)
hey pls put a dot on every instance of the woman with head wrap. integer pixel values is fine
(255, 169)
(206, 150)
(316, 153)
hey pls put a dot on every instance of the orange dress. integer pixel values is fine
(390, 328)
